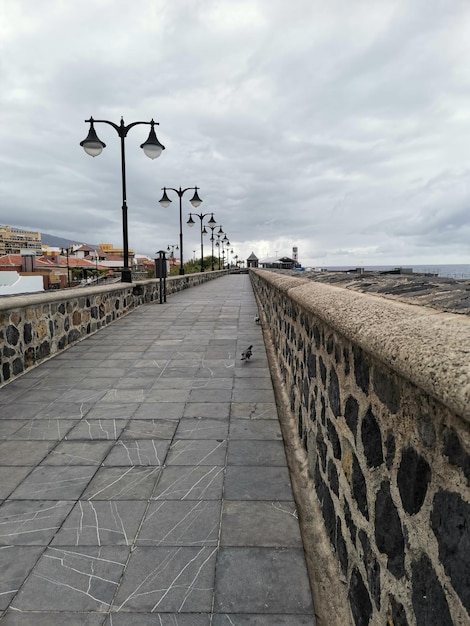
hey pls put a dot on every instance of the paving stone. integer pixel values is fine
(91, 523)
(17, 562)
(261, 430)
(34, 618)
(11, 477)
(253, 453)
(78, 453)
(138, 452)
(90, 576)
(201, 428)
(25, 522)
(202, 482)
(54, 483)
(95, 430)
(197, 452)
(181, 523)
(268, 524)
(45, 429)
(168, 579)
(266, 483)
(122, 483)
(254, 410)
(262, 580)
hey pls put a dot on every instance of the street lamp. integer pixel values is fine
(210, 223)
(94, 147)
(171, 254)
(66, 252)
(212, 242)
(195, 201)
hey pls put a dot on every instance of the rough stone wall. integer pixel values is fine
(389, 462)
(34, 327)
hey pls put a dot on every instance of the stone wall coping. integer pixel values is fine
(60, 295)
(428, 347)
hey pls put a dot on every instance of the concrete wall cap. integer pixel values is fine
(428, 347)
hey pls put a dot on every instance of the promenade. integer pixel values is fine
(143, 478)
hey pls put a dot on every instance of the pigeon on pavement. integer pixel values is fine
(246, 355)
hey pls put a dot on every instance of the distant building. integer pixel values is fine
(283, 263)
(252, 260)
(14, 240)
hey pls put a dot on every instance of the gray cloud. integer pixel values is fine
(336, 127)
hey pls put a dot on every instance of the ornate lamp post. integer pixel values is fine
(195, 201)
(66, 251)
(212, 242)
(210, 223)
(152, 148)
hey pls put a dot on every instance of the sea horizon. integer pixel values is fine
(449, 270)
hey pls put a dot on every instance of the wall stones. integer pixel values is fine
(389, 463)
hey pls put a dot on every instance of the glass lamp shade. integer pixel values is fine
(165, 200)
(92, 144)
(152, 147)
(220, 231)
(190, 222)
(212, 223)
(196, 200)
(204, 231)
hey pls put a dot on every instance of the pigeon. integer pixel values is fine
(257, 319)
(246, 355)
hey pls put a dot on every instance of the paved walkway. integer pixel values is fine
(143, 478)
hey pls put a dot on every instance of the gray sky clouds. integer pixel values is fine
(339, 127)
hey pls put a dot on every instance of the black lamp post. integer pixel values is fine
(212, 242)
(210, 223)
(152, 148)
(66, 252)
(195, 201)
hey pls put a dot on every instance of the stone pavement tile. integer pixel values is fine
(158, 619)
(201, 428)
(107, 372)
(167, 395)
(90, 396)
(149, 429)
(240, 619)
(252, 452)
(181, 523)
(24, 452)
(89, 575)
(216, 383)
(112, 411)
(78, 453)
(22, 410)
(253, 395)
(54, 483)
(45, 429)
(8, 428)
(179, 372)
(122, 483)
(197, 452)
(112, 363)
(167, 410)
(255, 429)
(137, 452)
(254, 410)
(253, 382)
(42, 395)
(64, 410)
(262, 580)
(266, 483)
(59, 618)
(172, 383)
(168, 579)
(16, 563)
(216, 410)
(210, 395)
(126, 396)
(263, 524)
(10, 478)
(255, 371)
(24, 522)
(214, 372)
(101, 523)
(201, 482)
(94, 430)
(89, 382)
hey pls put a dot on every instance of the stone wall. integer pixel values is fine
(379, 397)
(34, 327)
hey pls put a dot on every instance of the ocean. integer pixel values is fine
(446, 271)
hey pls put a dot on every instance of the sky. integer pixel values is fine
(341, 128)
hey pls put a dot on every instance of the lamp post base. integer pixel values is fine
(126, 276)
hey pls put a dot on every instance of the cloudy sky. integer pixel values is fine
(339, 127)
